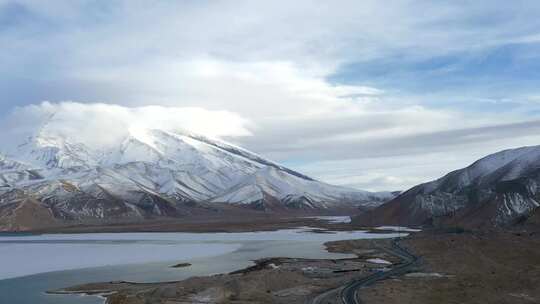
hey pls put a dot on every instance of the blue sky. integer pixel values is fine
(376, 96)
(505, 76)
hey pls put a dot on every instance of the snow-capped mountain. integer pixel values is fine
(294, 191)
(500, 189)
(150, 173)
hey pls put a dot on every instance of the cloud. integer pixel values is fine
(393, 165)
(297, 118)
(100, 125)
(322, 87)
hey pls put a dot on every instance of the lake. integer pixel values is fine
(32, 264)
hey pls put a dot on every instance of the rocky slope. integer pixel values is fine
(151, 173)
(500, 189)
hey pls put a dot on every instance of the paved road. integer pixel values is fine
(348, 294)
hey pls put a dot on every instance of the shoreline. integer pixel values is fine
(323, 226)
(315, 236)
(110, 290)
(447, 272)
(337, 275)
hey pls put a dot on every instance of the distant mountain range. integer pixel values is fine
(498, 190)
(47, 178)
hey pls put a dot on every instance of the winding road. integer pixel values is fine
(348, 294)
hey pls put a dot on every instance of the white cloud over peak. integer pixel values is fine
(277, 70)
(99, 125)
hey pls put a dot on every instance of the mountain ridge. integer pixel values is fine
(497, 190)
(153, 173)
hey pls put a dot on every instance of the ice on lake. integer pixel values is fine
(31, 265)
(398, 229)
(334, 219)
(26, 255)
(20, 259)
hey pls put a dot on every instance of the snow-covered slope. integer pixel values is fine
(499, 189)
(152, 173)
(295, 191)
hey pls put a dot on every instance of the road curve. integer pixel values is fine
(348, 294)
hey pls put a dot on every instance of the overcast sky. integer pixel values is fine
(379, 96)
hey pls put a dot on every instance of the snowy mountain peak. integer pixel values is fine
(483, 167)
(152, 172)
(500, 189)
(45, 151)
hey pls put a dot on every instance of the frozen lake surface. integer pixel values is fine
(334, 219)
(32, 264)
(398, 229)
